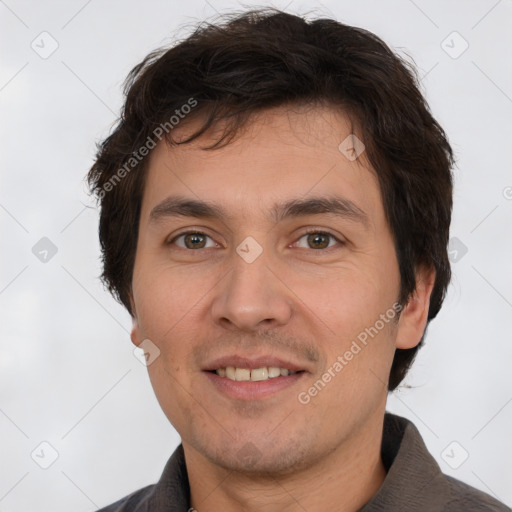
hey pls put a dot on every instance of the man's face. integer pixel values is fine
(256, 286)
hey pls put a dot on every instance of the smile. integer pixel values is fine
(256, 374)
(252, 384)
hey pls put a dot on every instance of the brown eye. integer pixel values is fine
(192, 240)
(318, 240)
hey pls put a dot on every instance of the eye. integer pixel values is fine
(318, 240)
(192, 240)
(314, 239)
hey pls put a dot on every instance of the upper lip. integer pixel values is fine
(252, 363)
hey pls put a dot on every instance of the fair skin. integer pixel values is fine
(304, 299)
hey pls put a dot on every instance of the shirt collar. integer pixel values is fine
(414, 480)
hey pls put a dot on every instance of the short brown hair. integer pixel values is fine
(267, 58)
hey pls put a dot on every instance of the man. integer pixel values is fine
(275, 211)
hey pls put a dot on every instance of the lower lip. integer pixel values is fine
(252, 390)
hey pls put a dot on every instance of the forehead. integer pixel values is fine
(280, 155)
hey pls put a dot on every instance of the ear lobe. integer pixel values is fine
(135, 334)
(413, 318)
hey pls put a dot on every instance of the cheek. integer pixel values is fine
(356, 316)
(349, 302)
(169, 385)
(165, 297)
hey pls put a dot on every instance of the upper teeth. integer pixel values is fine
(244, 374)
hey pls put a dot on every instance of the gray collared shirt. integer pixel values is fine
(414, 481)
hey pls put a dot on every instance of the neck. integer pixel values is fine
(345, 479)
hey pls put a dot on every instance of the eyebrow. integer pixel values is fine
(178, 206)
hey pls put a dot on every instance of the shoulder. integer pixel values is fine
(415, 481)
(137, 501)
(169, 494)
(465, 498)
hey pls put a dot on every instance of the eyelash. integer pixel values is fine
(307, 232)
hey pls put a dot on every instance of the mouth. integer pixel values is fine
(252, 379)
(254, 375)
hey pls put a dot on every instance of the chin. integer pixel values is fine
(260, 458)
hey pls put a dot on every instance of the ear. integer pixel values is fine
(135, 334)
(413, 318)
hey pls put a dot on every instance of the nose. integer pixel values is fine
(251, 296)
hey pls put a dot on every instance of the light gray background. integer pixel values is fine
(67, 369)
